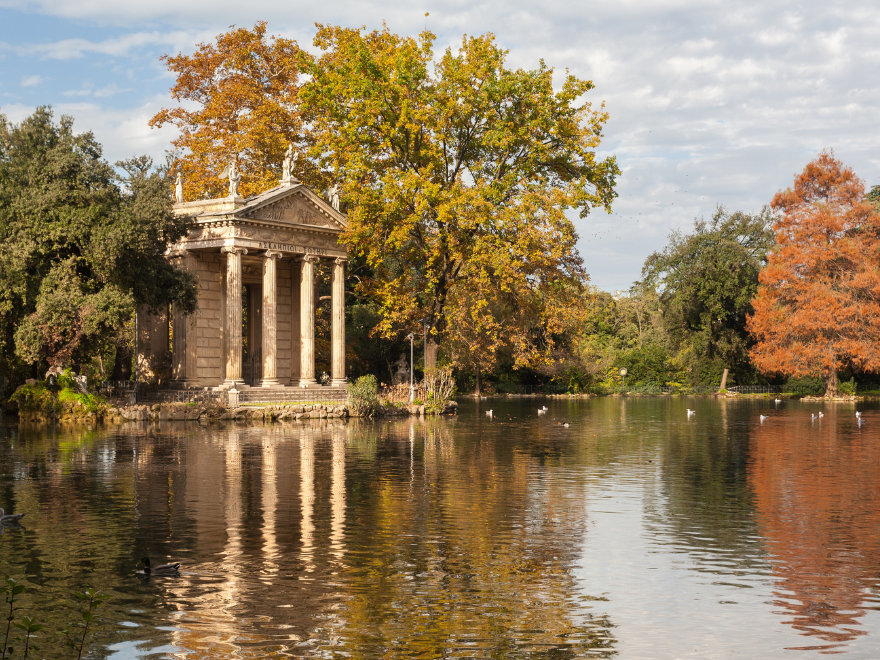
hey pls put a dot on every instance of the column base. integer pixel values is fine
(270, 383)
(339, 382)
(307, 382)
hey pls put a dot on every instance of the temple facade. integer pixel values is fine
(255, 261)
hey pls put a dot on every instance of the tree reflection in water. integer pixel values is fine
(359, 539)
(816, 487)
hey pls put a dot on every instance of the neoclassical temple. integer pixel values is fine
(255, 261)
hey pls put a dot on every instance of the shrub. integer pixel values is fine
(88, 401)
(35, 398)
(363, 396)
(440, 384)
(847, 387)
(806, 386)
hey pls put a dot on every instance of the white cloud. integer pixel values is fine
(68, 49)
(123, 133)
(32, 81)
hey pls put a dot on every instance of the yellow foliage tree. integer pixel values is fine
(457, 176)
(243, 91)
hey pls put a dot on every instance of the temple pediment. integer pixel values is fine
(295, 206)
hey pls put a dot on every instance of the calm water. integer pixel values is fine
(634, 533)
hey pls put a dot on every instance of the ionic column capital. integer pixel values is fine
(340, 261)
(233, 249)
(311, 258)
(272, 254)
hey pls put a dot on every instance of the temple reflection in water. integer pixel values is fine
(312, 537)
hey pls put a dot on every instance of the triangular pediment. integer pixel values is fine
(293, 205)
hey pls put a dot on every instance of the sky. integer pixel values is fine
(710, 103)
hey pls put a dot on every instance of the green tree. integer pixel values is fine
(707, 280)
(455, 174)
(80, 246)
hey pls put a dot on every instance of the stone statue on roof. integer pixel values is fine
(178, 188)
(231, 171)
(290, 157)
(333, 196)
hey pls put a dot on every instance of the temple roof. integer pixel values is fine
(285, 204)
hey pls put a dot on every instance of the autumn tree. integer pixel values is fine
(457, 176)
(817, 308)
(240, 98)
(79, 248)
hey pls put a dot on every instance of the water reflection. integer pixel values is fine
(816, 486)
(514, 537)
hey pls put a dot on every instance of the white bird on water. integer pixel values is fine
(763, 417)
(777, 401)
(541, 411)
(489, 413)
(821, 414)
(544, 408)
(858, 415)
(691, 413)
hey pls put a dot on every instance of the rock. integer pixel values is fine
(172, 412)
(193, 412)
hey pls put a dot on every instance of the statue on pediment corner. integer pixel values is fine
(178, 188)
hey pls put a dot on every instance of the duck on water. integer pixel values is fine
(161, 569)
(9, 519)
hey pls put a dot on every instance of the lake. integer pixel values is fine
(635, 532)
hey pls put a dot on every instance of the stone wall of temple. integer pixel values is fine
(209, 319)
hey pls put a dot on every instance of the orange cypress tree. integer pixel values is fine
(817, 309)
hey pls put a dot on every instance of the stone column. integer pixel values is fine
(270, 319)
(307, 322)
(233, 316)
(337, 360)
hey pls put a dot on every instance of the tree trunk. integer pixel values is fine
(122, 364)
(723, 381)
(831, 383)
(433, 350)
(478, 387)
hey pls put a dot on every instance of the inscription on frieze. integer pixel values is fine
(298, 249)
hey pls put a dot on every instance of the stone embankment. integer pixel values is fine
(182, 412)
